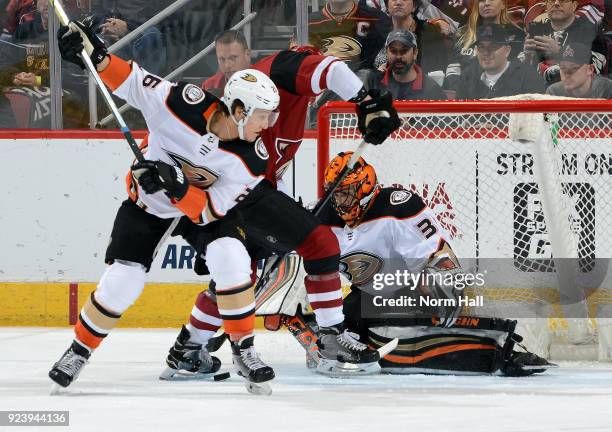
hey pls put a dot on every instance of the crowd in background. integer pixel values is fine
(416, 49)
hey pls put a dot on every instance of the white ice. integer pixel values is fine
(119, 391)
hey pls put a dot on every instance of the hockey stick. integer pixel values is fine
(65, 21)
(318, 208)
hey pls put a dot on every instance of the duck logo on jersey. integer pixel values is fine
(343, 47)
(192, 94)
(400, 197)
(360, 267)
(249, 77)
(260, 149)
(198, 176)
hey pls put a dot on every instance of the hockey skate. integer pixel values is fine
(69, 366)
(525, 364)
(249, 366)
(341, 353)
(189, 360)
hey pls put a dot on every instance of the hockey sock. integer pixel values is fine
(94, 324)
(205, 318)
(237, 309)
(321, 254)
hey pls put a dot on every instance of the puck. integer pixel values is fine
(222, 376)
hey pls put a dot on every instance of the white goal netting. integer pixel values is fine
(522, 188)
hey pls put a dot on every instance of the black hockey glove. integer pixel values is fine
(78, 35)
(154, 176)
(377, 119)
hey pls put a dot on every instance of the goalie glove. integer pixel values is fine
(75, 37)
(376, 117)
(154, 176)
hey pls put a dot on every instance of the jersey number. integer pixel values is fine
(427, 228)
(151, 81)
(243, 195)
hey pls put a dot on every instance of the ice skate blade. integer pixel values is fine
(544, 366)
(260, 389)
(337, 369)
(170, 374)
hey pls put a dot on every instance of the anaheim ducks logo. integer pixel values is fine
(249, 77)
(360, 267)
(343, 47)
(198, 176)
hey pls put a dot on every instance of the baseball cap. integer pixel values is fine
(494, 33)
(403, 36)
(575, 52)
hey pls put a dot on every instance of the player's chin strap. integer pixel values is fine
(240, 124)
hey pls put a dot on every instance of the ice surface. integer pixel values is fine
(119, 391)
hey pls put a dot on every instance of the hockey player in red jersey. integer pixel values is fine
(204, 161)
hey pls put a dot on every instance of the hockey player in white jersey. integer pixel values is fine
(393, 249)
(204, 161)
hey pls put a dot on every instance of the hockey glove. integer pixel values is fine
(77, 35)
(377, 119)
(154, 176)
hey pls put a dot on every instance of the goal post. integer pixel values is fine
(523, 189)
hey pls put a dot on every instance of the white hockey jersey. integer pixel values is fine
(398, 233)
(220, 173)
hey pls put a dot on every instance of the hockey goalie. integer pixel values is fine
(406, 283)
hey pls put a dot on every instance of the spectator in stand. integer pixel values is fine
(16, 11)
(578, 78)
(535, 10)
(403, 77)
(481, 12)
(116, 18)
(545, 39)
(352, 32)
(429, 37)
(28, 64)
(233, 54)
(496, 74)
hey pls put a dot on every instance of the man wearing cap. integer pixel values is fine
(403, 77)
(578, 78)
(494, 75)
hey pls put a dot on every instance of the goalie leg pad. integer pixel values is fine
(439, 351)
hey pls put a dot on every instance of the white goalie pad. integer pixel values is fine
(284, 291)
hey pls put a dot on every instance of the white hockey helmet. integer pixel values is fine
(255, 90)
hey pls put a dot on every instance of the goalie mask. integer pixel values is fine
(255, 90)
(354, 194)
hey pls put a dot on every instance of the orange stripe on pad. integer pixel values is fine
(193, 203)
(117, 71)
(85, 337)
(241, 326)
(436, 352)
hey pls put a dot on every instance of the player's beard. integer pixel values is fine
(401, 68)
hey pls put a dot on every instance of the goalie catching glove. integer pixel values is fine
(75, 37)
(377, 119)
(154, 176)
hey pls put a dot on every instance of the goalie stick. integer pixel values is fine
(125, 130)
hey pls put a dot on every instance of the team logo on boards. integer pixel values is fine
(400, 197)
(192, 94)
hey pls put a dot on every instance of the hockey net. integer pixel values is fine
(522, 188)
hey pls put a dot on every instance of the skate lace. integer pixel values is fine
(350, 341)
(250, 358)
(71, 363)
